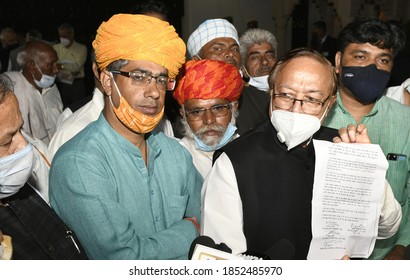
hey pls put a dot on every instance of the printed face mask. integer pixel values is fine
(132, 119)
(15, 170)
(367, 83)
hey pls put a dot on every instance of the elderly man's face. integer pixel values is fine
(11, 139)
(207, 119)
(47, 62)
(222, 49)
(305, 79)
(260, 59)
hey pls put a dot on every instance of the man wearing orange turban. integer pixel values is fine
(208, 91)
(116, 183)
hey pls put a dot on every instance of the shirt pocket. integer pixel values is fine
(176, 207)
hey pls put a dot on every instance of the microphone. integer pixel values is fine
(201, 240)
(407, 253)
(281, 250)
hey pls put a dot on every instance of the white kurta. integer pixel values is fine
(41, 167)
(40, 110)
(202, 160)
(222, 213)
(396, 93)
(77, 121)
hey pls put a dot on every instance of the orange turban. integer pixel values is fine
(208, 79)
(139, 37)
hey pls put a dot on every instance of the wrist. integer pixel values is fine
(194, 221)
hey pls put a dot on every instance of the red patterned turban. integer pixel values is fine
(139, 37)
(208, 79)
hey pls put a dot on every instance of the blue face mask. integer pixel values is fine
(367, 83)
(230, 131)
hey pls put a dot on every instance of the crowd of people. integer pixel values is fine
(115, 176)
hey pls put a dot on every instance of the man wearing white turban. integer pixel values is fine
(215, 39)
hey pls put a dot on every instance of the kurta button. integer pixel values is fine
(152, 192)
(157, 218)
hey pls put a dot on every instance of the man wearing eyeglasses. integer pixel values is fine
(208, 92)
(259, 189)
(129, 192)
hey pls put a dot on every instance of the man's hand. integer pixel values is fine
(396, 254)
(353, 134)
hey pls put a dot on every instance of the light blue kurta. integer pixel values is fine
(388, 125)
(101, 187)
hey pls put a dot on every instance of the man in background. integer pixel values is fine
(38, 96)
(259, 51)
(323, 42)
(71, 58)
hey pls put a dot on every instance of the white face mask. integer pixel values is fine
(260, 83)
(64, 41)
(294, 128)
(46, 81)
(15, 170)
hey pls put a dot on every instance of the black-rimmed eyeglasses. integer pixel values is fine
(143, 78)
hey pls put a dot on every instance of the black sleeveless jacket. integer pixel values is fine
(275, 186)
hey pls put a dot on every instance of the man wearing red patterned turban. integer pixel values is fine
(116, 182)
(208, 91)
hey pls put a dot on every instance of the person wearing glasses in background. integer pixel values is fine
(207, 93)
(129, 192)
(259, 190)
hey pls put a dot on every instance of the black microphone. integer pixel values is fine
(407, 253)
(223, 247)
(281, 250)
(202, 240)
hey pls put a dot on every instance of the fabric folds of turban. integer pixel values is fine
(139, 37)
(208, 79)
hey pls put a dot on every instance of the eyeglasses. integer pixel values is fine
(217, 111)
(311, 106)
(143, 78)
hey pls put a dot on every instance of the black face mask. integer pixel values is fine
(366, 83)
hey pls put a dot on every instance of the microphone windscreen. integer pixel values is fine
(407, 253)
(281, 250)
(223, 247)
(203, 240)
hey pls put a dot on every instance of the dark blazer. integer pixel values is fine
(37, 233)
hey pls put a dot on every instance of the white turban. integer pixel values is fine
(209, 30)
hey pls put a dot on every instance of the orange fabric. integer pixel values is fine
(208, 79)
(139, 37)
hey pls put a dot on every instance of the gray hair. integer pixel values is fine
(256, 36)
(6, 86)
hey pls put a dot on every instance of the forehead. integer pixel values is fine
(368, 48)
(304, 71)
(145, 65)
(226, 41)
(10, 114)
(262, 47)
(203, 103)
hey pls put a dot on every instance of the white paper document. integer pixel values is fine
(347, 193)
